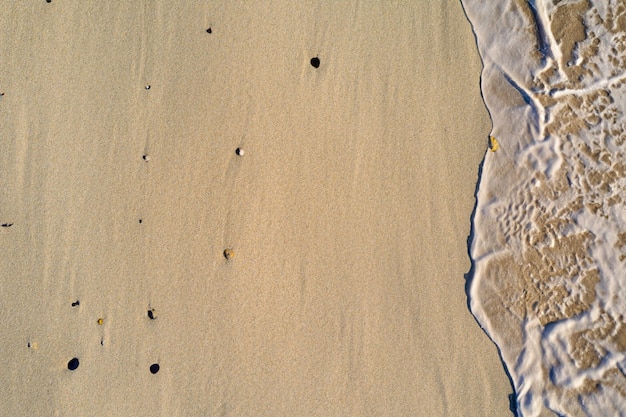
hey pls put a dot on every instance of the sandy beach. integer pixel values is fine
(143, 139)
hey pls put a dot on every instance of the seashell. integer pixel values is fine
(494, 145)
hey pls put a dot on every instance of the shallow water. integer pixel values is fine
(549, 237)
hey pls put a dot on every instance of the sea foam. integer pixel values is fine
(548, 282)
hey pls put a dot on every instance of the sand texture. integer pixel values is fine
(317, 271)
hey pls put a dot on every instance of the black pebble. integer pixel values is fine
(75, 303)
(209, 30)
(148, 87)
(48, 1)
(72, 364)
(151, 315)
(140, 221)
(315, 62)
(154, 368)
(7, 224)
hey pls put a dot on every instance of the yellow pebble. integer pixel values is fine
(100, 321)
(494, 144)
(229, 254)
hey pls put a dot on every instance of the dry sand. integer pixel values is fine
(347, 214)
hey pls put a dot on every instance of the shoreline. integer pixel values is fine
(469, 276)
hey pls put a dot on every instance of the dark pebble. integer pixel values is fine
(315, 62)
(73, 364)
(154, 368)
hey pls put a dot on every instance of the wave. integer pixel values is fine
(548, 282)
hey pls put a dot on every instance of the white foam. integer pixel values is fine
(549, 242)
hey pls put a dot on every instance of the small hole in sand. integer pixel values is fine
(315, 62)
(154, 368)
(140, 221)
(48, 1)
(73, 364)
(209, 30)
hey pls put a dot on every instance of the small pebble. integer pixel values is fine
(148, 87)
(73, 364)
(239, 151)
(315, 62)
(146, 158)
(154, 368)
(229, 254)
(209, 30)
(75, 303)
(100, 321)
(152, 314)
